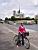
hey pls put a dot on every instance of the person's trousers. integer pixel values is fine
(20, 35)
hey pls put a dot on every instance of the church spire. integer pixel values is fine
(19, 9)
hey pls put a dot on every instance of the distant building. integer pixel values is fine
(18, 14)
(14, 13)
(36, 16)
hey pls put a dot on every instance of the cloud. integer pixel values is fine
(4, 4)
(28, 7)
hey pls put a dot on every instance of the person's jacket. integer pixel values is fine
(22, 29)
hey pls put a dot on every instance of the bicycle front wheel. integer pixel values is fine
(15, 38)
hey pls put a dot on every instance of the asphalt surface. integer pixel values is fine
(7, 33)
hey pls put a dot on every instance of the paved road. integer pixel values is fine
(6, 35)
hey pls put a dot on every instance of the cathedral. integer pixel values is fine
(19, 14)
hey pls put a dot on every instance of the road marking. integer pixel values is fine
(10, 30)
(34, 45)
(30, 42)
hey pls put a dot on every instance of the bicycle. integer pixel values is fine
(19, 41)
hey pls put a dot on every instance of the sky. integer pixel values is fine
(28, 7)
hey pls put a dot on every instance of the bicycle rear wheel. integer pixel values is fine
(26, 43)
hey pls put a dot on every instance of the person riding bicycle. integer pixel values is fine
(21, 31)
(21, 28)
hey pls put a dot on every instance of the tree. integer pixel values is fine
(32, 18)
(9, 19)
(12, 18)
(27, 17)
(0, 19)
(6, 18)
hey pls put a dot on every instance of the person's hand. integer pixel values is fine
(23, 31)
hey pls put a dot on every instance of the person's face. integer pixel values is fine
(22, 24)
